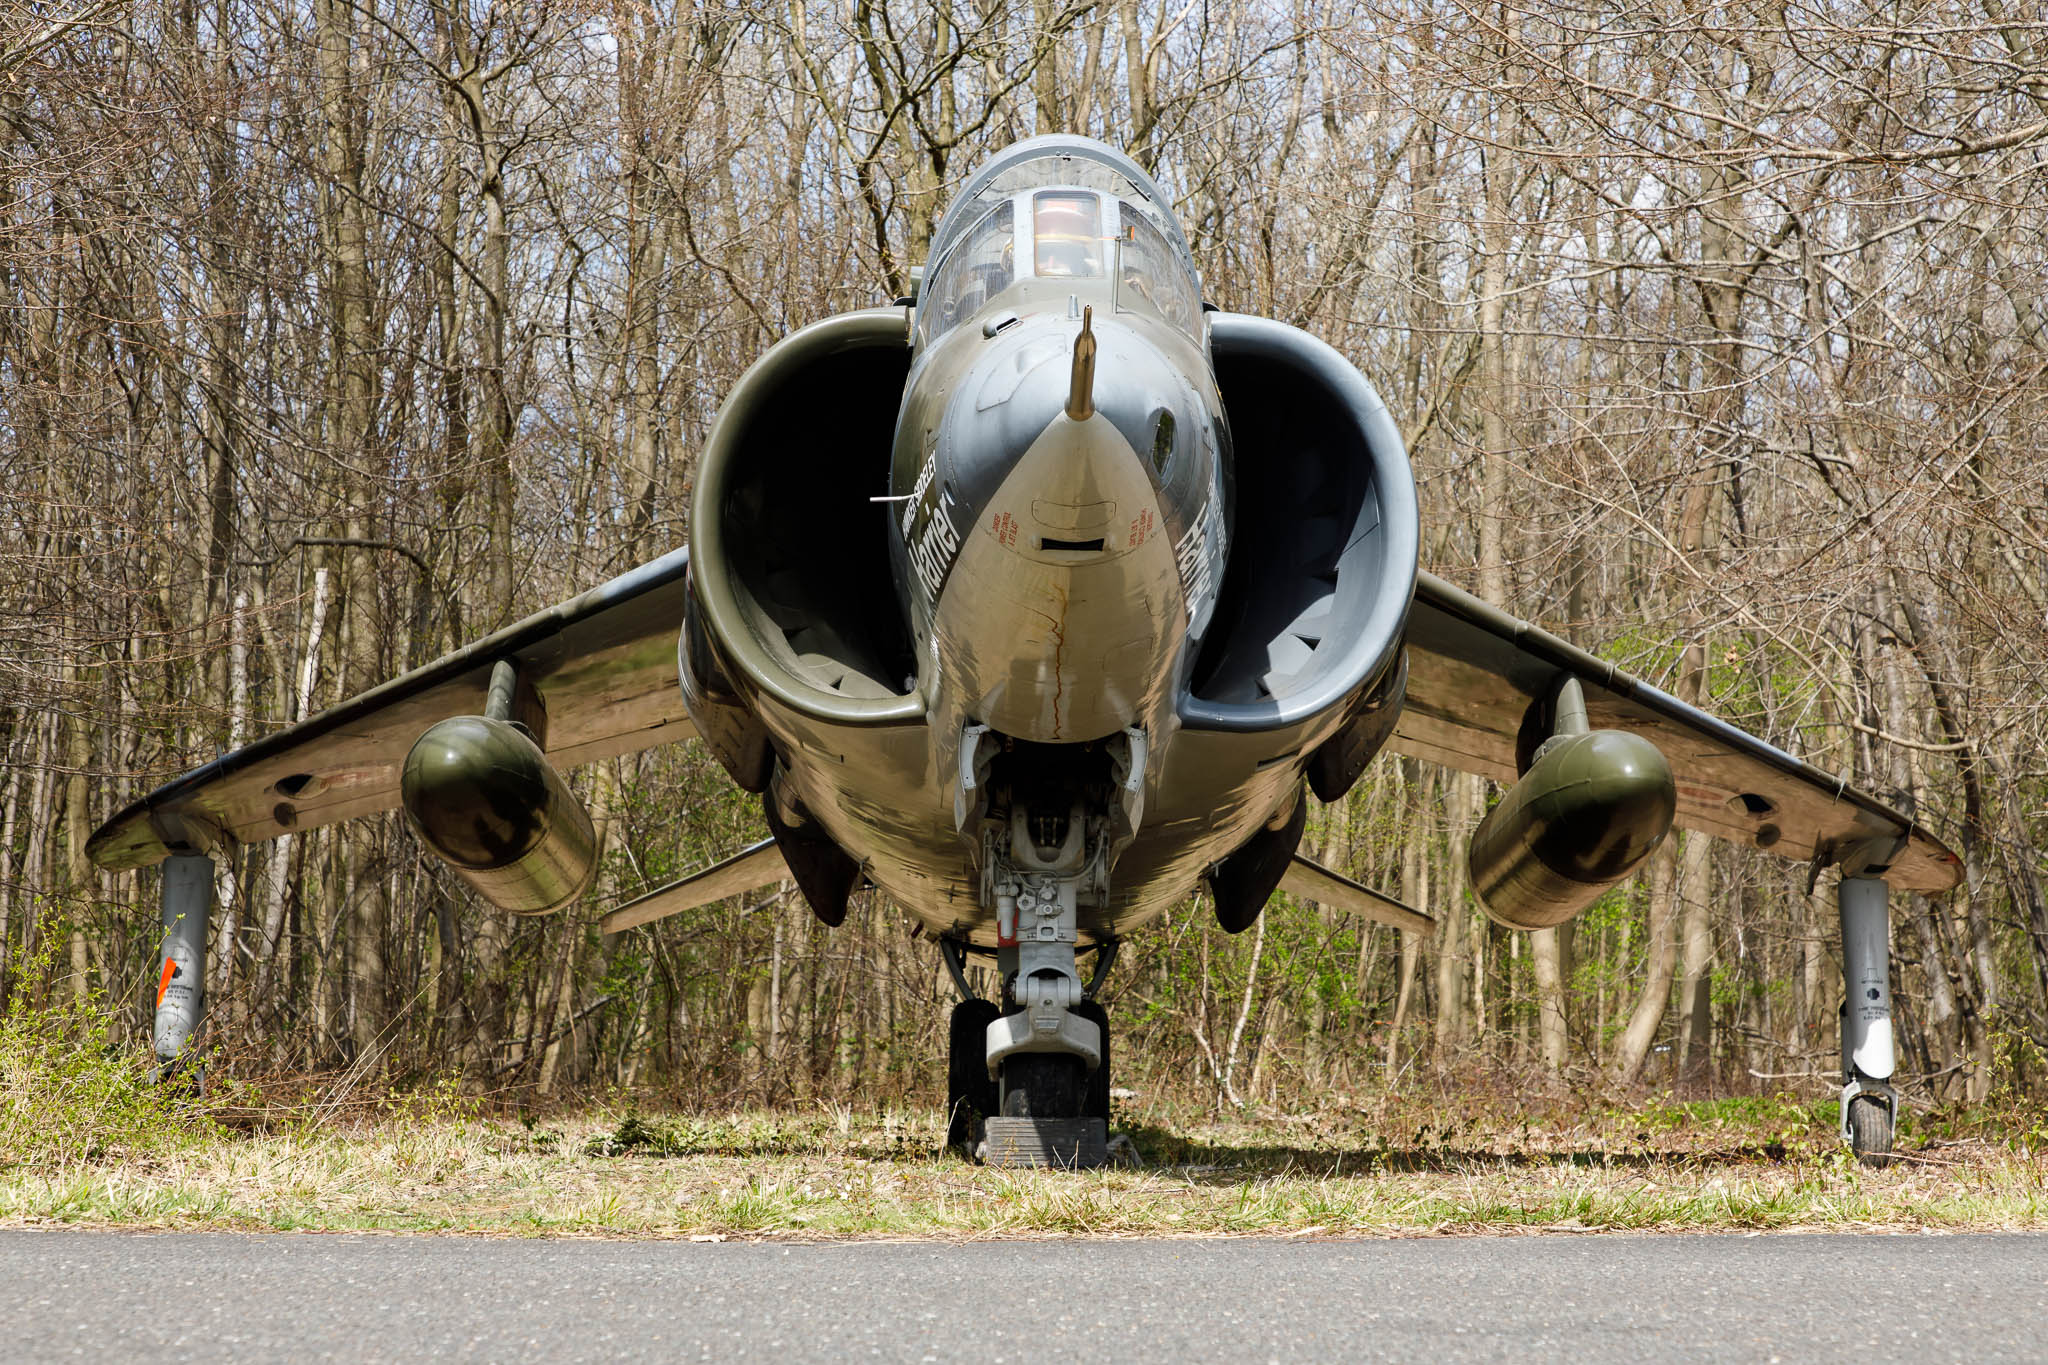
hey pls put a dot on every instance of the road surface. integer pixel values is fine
(223, 1296)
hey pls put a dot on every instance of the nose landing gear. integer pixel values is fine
(1031, 1106)
(1047, 822)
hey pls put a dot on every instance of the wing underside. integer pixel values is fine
(750, 869)
(602, 667)
(1474, 673)
(1312, 881)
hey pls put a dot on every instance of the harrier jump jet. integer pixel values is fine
(1040, 602)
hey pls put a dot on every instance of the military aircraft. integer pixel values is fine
(1040, 601)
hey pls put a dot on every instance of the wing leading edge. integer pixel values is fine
(1311, 881)
(750, 869)
(1474, 672)
(602, 664)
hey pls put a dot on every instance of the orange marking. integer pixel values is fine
(170, 970)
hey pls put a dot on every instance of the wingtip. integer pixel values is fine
(125, 843)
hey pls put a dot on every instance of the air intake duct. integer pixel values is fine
(483, 797)
(1590, 808)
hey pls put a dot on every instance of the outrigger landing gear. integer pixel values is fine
(181, 980)
(1870, 1106)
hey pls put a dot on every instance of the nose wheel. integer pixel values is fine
(1040, 1089)
(1045, 1121)
(972, 1096)
(1016, 1095)
(1096, 1104)
(1043, 1085)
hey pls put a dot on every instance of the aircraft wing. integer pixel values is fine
(754, 866)
(602, 664)
(1311, 881)
(1474, 673)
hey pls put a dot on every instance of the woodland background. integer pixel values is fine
(333, 334)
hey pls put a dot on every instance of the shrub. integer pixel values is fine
(70, 1092)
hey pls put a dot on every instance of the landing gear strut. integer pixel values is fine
(1047, 1107)
(1870, 1106)
(181, 978)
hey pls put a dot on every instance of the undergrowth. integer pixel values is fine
(86, 1139)
(70, 1093)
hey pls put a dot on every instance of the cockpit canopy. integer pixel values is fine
(1059, 209)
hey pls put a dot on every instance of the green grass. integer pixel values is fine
(834, 1174)
(85, 1140)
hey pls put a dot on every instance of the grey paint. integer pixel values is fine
(187, 917)
(1866, 970)
(1358, 620)
(1867, 1048)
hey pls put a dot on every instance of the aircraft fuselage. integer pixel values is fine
(1058, 544)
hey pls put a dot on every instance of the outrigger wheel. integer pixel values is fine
(1870, 1130)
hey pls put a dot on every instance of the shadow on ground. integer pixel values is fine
(1225, 1160)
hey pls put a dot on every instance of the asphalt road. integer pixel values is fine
(208, 1296)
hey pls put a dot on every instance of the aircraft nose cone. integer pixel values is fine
(1066, 613)
(1061, 615)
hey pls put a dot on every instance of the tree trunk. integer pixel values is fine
(1695, 995)
(1551, 963)
(1453, 960)
(1640, 1034)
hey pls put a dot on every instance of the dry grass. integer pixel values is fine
(1389, 1168)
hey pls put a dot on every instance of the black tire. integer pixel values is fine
(1870, 1131)
(1043, 1085)
(970, 1091)
(1096, 1105)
